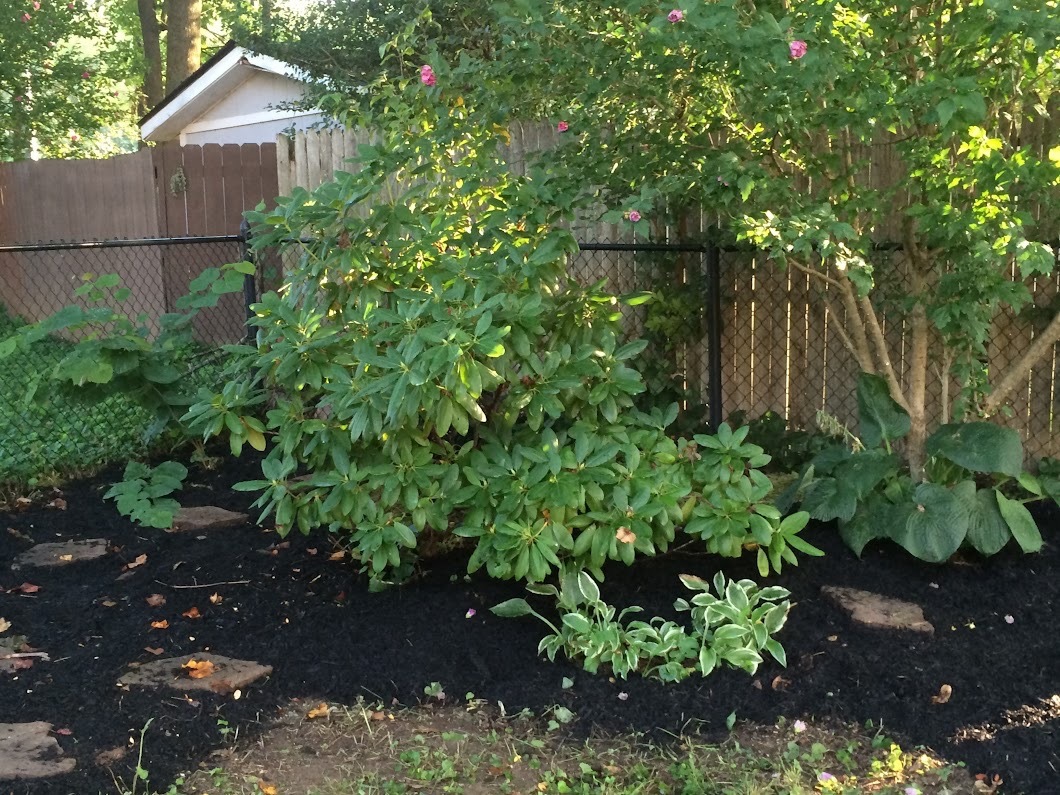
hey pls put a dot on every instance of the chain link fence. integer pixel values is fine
(729, 333)
(47, 429)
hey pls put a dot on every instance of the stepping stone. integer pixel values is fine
(227, 675)
(62, 553)
(28, 750)
(879, 612)
(207, 517)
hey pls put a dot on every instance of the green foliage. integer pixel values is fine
(972, 469)
(142, 493)
(789, 449)
(118, 355)
(437, 377)
(734, 626)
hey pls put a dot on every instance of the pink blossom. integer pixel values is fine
(75, 137)
(26, 17)
(36, 6)
(633, 216)
(823, 777)
(797, 49)
(676, 15)
(86, 75)
(427, 75)
(562, 127)
(470, 613)
(800, 726)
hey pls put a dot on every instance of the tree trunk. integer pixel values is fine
(917, 391)
(152, 49)
(183, 40)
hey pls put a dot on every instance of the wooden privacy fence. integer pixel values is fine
(164, 193)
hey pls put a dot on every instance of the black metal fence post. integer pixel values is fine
(250, 285)
(714, 367)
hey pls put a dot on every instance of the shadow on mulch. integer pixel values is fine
(328, 638)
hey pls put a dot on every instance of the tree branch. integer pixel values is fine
(883, 354)
(1035, 352)
(861, 342)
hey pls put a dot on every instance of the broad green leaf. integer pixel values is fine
(988, 531)
(1020, 522)
(881, 417)
(979, 447)
(512, 608)
(934, 526)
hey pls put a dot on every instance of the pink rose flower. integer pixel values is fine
(676, 15)
(427, 75)
(562, 127)
(633, 216)
(797, 49)
(26, 17)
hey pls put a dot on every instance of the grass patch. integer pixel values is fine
(369, 750)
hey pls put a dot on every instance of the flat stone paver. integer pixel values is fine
(228, 675)
(62, 553)
(28, 751)
(879, 612)
(206, 517)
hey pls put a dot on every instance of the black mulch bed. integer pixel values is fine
(328, 638)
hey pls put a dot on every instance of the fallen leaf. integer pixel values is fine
(267, 789)
(153, 650)
(216, 599)
(944, 695)
(58, 503)
(66, 558)
(193, 613)
(108, 603)
(5, 625)
(20, 663)
(625, 535)
(64, 732)
(320, 711)
(156, 600)
(28, 587)
(22, 503)
(376, 716)
(757, 684)
(140, 560)
(337, 555)
(311, 550)
(110, 756)
(780, 683)
(163, 624)
(199, 669)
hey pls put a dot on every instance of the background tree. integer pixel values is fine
(58, 85)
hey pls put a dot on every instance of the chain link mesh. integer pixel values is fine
(47, 429)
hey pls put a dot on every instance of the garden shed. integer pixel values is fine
(235, 97)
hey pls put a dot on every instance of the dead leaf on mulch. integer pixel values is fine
(22, 503)
(108, 603)
(944, 695)
(267, 789)
(5, 625)
(64, 732)
(337, 555)
(27, 588)
(163, 624)
(140, 560)
(199, 669)
(153, 650)
(216, 599)
(156, 600)
(320, 711)
(780, 683)
(984, 787)
(111, 756)
(192, 613)
(58, 503)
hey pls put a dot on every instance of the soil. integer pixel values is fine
(286, 603)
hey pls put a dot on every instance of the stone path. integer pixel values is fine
(28, 751)
(879, 612)
(207, 517)
(62, 553)
(186, 673)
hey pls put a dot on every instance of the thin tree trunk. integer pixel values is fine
(917, 392)
(183, 40)
(152, 48)
(1017, 373)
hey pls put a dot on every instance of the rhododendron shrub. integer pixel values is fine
(439, 380)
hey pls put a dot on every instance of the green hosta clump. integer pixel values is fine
(435, 374)
(143, 493)
(734, 626)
